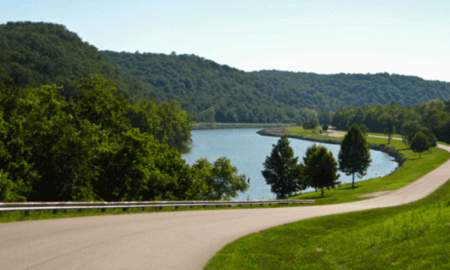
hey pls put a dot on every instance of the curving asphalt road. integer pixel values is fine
(170, 240)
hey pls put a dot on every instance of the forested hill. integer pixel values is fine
(210, 91)
(221, 93)
(32, 54)
(338, 90)
(38, 53)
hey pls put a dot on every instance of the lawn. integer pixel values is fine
(412, 236)
(412, 168)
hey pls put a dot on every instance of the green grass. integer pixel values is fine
(311, 134)
(315, 134)
(412, 168)
(412, 236)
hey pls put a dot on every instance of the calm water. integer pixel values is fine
(247, 151)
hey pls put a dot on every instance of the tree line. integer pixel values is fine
(319, 170)
(40, 53)
(431, 118)
(88, 142)
(287, 175)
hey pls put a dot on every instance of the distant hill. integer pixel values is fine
(211, 90)
(36, 53)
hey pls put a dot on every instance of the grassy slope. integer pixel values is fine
(410, 170)
(413, 236)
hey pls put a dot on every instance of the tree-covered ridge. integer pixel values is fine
(211, 92)
(338, 90)
(39, 53)
(214, 92)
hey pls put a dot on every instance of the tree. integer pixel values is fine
(410, 129)
(96, 145)
(325, 127)
(354, 155)
(282, 170)
(225, 183)
(311, 123)
(217, 181)
(8, 189)
(388, 123)
(420, 143)
(320, 168)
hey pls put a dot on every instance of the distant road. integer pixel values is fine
(341, 134)
(167, 240)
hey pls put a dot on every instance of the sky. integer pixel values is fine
(404, 37)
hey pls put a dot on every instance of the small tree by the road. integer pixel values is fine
(410, 129)
(320, 168)
(420, 143)
(217, 181)
(325, 127)
(282, 170)
(354, 156)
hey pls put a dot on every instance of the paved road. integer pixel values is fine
(341, 134)
(171, 240)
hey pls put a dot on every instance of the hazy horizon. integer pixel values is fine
(330, 37)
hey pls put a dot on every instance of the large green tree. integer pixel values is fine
(354, 155)
(320, 168)
(96, 145)
(282, 170)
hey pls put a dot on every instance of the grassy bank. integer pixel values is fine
(412, 168)
(413, 236)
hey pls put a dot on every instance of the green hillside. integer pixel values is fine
(38, 53)
(225, 94)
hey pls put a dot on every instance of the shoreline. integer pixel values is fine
(278, 132)
(392, 152)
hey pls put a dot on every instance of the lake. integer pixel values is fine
(247, 151)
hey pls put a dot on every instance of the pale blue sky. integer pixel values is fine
(407, 37)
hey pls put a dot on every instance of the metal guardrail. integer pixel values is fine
(56, 206)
